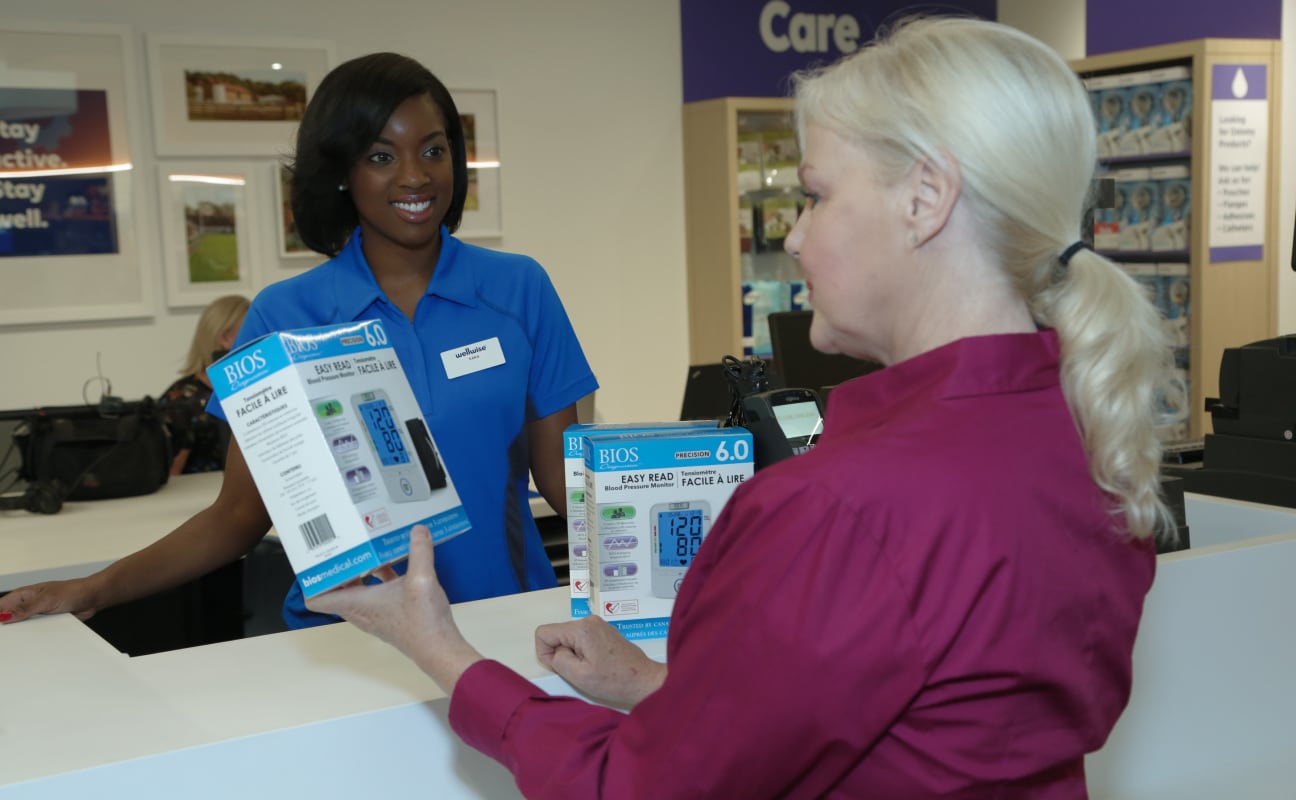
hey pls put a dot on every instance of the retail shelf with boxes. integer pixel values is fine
(742, 197)
(1188, 181)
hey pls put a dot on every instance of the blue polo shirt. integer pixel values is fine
(479, 419)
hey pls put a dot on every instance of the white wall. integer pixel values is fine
(1058, 23)
(590, 98)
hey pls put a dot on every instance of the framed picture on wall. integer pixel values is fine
(290, 243)
(242, 97)
(482, 217)
(207, 230)
(70, 247)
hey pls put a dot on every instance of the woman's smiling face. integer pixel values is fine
(403, 184)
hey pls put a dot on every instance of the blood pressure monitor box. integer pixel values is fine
(335, 441)
(574, 465)
(650, 500)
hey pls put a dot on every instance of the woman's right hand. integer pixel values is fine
(51, 597)
(597, 659)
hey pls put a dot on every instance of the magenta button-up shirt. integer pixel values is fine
(935, 601)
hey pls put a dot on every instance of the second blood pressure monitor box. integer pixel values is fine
(574, 466)
(650, 499)
(334, 439)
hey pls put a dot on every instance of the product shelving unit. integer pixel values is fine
(712, 131)
(1232, 302)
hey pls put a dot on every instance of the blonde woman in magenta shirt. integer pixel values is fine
(941, 599)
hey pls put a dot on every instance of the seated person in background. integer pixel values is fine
(198, 439)
(940, 599)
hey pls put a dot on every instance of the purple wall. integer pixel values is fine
(1114, 25)
(725, 53)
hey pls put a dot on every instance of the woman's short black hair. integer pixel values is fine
(343, 119)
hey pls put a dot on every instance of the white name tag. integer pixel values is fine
(473, 357)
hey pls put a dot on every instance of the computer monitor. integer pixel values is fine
(706, 392)
(802, 366)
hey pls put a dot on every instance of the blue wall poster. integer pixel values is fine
(55, 184)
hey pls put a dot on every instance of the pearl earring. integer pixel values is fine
(341, 187)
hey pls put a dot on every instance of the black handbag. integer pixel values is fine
(113, 449)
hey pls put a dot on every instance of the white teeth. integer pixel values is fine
(414, 208)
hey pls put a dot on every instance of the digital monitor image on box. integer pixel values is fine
(678, 527)
(338, 448)
(396, 457)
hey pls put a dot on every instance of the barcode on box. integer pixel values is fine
(317, 531)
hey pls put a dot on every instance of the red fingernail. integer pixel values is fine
(5, 616)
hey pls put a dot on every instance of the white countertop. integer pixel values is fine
(87, 536)
(69, 701)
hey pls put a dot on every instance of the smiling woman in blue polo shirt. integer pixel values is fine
(379, 185)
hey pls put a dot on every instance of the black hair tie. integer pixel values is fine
(1076, 247)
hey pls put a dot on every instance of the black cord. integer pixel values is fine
(744, 378)
(105, 385)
